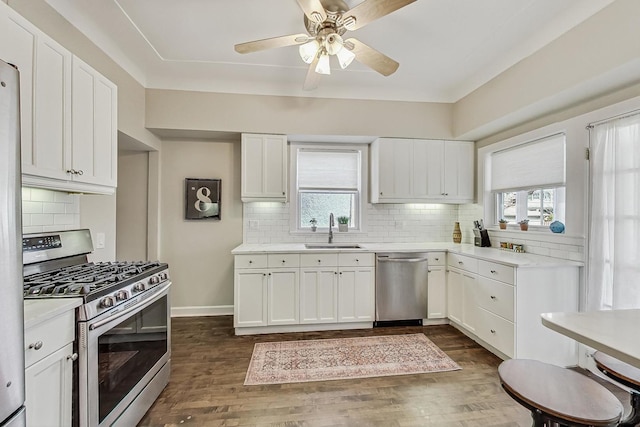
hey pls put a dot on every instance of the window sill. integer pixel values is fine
(537, 233)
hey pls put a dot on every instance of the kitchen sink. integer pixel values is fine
(332, 246)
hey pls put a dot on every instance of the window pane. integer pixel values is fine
(541, 206)
(319, 205)
(507, 206)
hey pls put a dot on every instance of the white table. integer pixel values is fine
(615, 332)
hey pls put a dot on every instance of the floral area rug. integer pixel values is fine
(345, 358)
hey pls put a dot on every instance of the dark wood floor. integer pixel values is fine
(209, 364)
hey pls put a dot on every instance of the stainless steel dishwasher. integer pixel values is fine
(401, 286)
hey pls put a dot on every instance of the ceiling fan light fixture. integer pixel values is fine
(323, 66)
(309, 50)
(345, 57)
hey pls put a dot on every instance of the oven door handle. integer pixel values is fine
(143, 304)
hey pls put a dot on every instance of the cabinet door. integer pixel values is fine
(454, 295)
(250, 298)
(18, 40)
(470, 313)
(264, 167)
(459, 170)
(356, 295)
(395, 169)
(437, 293)
(428, 170)
(48, 386)
(319, 295)
(52, 111)
(94, 126)
(283, 299)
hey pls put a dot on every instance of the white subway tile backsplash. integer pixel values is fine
(47, 210)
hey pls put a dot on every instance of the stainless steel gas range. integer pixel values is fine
(123, 333)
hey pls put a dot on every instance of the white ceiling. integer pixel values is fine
(446, 48)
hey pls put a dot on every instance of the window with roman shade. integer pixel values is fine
(528, 181)
(328, 181)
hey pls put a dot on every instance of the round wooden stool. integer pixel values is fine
(624, 374)
(558, 395)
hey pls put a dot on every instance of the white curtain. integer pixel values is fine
(614, 237)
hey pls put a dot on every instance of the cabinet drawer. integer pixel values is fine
(496, 297)
(496, 271)
(251, 261)
(462, 262)
(283, 260)
(359, 259)
(48, 337)
(319, 260)
(497, 332)
(436, 258)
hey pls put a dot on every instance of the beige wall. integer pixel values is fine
(181, 110)
(131, 206)
(98, 213)
(199, 251)
(131, 94)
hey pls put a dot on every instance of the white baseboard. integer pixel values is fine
(196, 311)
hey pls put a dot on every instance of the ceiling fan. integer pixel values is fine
(326, 21)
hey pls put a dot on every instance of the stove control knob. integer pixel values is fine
(154, 280)
(122, 295)
(139, 287)
(107, 302)
(163, 276)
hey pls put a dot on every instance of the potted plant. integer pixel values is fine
(502, 223)
(524, 224)
(343, 223)
(314, 224)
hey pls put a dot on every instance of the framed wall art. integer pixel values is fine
(202, 198)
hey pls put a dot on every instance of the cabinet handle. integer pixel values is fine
(71, 171)
(460, 262)
(381, 193)
(269, 274)
(319, 261)
(341, 273)
(250, 262)
(494, 272)
(73, 357)
(80, 172)
(493, 331)
(335, 272)
(428, 271)
(493, 297)
(357, 260)
(36, 346)
(437, 259)
(283, 261)
(264, 274)
(283, 193)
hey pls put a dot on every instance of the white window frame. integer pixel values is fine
(361, 198)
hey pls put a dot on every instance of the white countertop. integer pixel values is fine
(614, 332)
(489, 254)
(41, 310)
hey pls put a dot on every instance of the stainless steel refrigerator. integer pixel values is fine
(12, 411)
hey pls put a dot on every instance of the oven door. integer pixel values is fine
(120, 355)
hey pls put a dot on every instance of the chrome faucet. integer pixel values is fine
(331, 224)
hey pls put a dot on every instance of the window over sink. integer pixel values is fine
(327, 178)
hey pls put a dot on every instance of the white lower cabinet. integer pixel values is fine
(501, 306)
(49, 361)
(303, 289)
(436, 286)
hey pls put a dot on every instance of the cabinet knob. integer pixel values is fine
(73, 357)
(319, 261)
(493, 331)
(357, 260)
(71, 171)
(36, 346)
(341, 273)
(381, 193)
(283, 261)
(335, 272)
(493, 297)
(460, 262)
(494, 272)
(250, 262)
(269, 274)
(80, 172)
(428, 271)
(437, 259)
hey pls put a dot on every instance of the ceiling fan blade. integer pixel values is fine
(271, 43)
(312, 80)
(313, 9)
(371, 57)
(370, 10)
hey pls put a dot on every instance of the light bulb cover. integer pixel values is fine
(345, 57)
(323, 66)
(308, 51)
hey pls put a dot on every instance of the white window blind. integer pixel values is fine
(322, 169)
(535, 164)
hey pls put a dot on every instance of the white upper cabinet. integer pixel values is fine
(68, 129)
(264, 168)
(94, 126)
(416, 170)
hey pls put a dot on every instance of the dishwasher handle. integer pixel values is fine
(380, 259)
